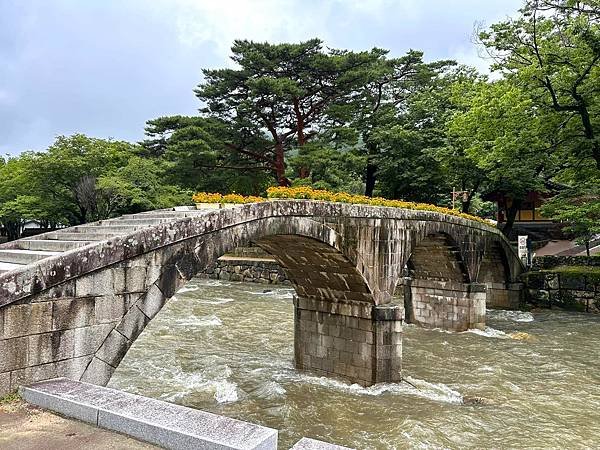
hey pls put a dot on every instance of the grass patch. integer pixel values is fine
(592, 273)
(8, 399)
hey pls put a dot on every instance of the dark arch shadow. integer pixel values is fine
(437, 286)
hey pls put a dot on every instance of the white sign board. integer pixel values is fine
(523, 250)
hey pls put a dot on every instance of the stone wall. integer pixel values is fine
(550, 262)
(566, 282)
(576, 291)
(436, 292)
(247, 269)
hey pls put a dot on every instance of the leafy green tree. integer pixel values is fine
(136, 187)
(453, 95)
(380, 104)
(507, 137)
(196, 153)
(68, 171)
(552, 50)
(329, 168)
(20, 200)
(281, 96)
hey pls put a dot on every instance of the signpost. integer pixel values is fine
(524, 250)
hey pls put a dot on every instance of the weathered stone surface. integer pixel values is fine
(24, 320)
(79, 312)
(155, 421)
(576, 290)
(73, 313)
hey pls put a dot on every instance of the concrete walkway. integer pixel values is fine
(24, 427)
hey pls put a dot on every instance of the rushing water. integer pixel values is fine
(228, 348)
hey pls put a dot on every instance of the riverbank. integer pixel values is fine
(24, 427)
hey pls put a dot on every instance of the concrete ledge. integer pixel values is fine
(161, 423)
(313, 444)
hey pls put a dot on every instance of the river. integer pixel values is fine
(228, 348)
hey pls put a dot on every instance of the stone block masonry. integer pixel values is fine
(444, 305)
(254, 269)
(568, 290)
(165, 424)
(357, 342)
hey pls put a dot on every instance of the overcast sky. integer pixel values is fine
(104, 67)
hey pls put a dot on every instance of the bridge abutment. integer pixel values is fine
(358, 342)
(504, 295)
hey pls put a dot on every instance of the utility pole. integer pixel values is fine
(456, 194)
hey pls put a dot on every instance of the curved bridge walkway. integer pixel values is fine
(73, 301)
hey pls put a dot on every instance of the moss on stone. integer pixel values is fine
(590, 272)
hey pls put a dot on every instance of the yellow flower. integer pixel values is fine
(308, 193)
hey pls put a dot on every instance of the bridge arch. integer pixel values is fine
(500, 273)
(327, 284)
(437, 288)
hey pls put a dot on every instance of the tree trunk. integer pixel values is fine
(467, 205)
(13, 230)
(304, 172)
(371, 169)
(280, 166)
(511, 215)
(587, 248)
(596, 153)
(588, 129)
(370, 179)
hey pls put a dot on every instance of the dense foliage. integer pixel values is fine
(308, 116)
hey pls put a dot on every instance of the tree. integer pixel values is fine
(136, 187)
(195, 153)
(335, 169)
(68, 171)
(19, 200)
(553, 52)
(392, 82)
(578, 207)
(281, 96)
(507, 137)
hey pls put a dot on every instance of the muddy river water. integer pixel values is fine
(228, 348)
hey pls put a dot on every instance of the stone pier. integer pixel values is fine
(359, 343)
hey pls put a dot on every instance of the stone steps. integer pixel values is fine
(117, 229)
(24, 256)
(141, 221)
(89, 237)
(49, 245)
(6, 267)
(164, 214)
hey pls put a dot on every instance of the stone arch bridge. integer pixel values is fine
(73, 301)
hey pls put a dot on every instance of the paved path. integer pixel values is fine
(23, 427)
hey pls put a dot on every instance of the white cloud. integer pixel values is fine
(221, 22)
